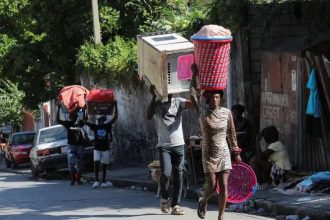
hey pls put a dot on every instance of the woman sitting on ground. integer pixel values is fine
(273, 164)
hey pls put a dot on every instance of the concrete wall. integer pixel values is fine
(287, 27)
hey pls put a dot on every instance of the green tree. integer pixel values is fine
(45, 45)
(11, 104)
(116, 59)
(113, 61)
(22, 58)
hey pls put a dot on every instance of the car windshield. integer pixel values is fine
(23, 139)
(52, 134)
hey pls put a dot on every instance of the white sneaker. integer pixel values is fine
(96, 184)
(107, 184)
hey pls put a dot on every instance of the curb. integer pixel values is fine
(285, 209)
(192, 194)
(123, 182)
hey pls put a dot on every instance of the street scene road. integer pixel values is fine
(25, 198)
(144, 98)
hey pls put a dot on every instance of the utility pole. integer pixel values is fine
(85, 78)
(96, 22)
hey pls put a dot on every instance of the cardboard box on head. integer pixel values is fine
(158, 55)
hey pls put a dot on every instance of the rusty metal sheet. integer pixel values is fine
(275, 74)
(279, 96)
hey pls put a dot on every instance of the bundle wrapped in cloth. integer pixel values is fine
(213, 31)
(72, 97)
(211, 53)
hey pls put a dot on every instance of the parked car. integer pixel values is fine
(17, 148)
(49, 149)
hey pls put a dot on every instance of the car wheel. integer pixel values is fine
(8, 163)
(34, 172)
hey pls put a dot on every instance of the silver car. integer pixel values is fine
(49, 149)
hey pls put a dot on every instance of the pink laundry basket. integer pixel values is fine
(212, 59)
(242, 183)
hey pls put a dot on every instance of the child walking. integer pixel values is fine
(101, 148)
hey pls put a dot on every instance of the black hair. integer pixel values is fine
(209, 93)
(270, 134)
(240, 108)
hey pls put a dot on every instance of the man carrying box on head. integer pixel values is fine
(101, 148)
(171, 147)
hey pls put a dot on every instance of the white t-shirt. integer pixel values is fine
(170, 134)
(280, 157)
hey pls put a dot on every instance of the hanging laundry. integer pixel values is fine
(313, 105)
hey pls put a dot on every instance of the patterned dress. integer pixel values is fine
(218, 135)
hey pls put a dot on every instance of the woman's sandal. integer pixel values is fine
(201, 211)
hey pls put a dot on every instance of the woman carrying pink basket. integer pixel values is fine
(217, 126)
(219, 144)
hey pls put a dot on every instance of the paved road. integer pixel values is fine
(24, 198)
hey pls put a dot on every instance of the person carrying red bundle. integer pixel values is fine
(101, 148)
(71, 100)
(75, 148)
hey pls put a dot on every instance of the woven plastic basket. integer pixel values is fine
(212, 59)
(242, 183)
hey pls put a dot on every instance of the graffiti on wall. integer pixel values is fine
(275, 106)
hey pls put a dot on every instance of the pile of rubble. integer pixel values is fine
(250, 208)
